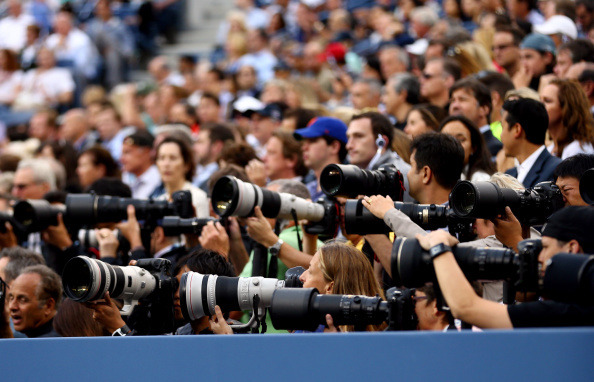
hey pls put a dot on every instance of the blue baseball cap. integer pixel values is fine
(538, 42)
(323, 126)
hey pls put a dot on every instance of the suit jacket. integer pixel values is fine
(493, 144)
(542, 170)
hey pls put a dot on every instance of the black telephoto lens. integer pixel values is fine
(175, 226)
(349, 181)
(570, 278)
(36, 215)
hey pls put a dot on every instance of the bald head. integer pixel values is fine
(575, 71)
(74, 125)
(158, 68)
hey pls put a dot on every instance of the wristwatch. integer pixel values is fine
(121, 332)
(275, 249)
(438, 249)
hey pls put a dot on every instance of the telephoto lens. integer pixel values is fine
(412, 266)
(233, 197)
(349, 181)
(200, 293)
(587, 187)
(175, 226)
(36, 215)
(89, 209)
(486, 200)
(85, 279)
(570, 278)
(306, 309)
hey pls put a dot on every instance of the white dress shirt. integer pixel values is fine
(524, 167)
(143, 186)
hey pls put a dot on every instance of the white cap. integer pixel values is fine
(313, 3)
(418, 48)
(246, 103)
(558, 24)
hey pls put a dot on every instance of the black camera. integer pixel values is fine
(570, 278)
(359, 220)
(306, 309)
(292, 276)
(587, 187)
(89, 209)
(486, 200)
(149, 282)
(349, 181)
(232, 197)
(412, 266)
(174, 226)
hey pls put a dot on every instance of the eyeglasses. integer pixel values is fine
(502, 47)
(420, 298)
(428, 76)
(21, 186)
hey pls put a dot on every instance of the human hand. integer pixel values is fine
(218, 324)
(256, 171)
(260, 230)
(130, 228)
(378, 205)
(214, 237)
(522, 77)
(8, 239)
(108, 242)
(106, 313)
(234, 230)
(436, 237)
(331, 328)
(508, 229)
(57, 235)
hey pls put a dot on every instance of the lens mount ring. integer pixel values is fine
(211, 291)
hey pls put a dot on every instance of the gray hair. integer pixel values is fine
(6, 182)
(176, 129)
(50, 285)
(375, 87)
(291, 186)
(506, 181)
(19, 258)
(408, 82)
(401, 54)
(42, 171)
(425, 16)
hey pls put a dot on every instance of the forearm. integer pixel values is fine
(293, 257)
(238, 255)
(401, 224)
(382, 246)
(310, 244)
(463, 301)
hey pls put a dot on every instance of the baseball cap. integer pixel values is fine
(538, 42)
(558, 24)
(323, 126)
(247, 103)
(572, 223)
(140, 138)
(272, 110)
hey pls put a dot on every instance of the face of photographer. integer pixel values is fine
(430, 318)
(552, 246)
(313, 277)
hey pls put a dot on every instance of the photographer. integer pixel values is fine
(567, 177)
(567, 230)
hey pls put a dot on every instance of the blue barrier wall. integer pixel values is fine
(527, 355)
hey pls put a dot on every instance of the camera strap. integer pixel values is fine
(294, 215)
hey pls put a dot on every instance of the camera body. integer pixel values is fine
(350, 181)
(570, 278)
(486, 200)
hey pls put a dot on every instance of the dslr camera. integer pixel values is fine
(349, 181)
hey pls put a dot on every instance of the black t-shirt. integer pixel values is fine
(550, 314)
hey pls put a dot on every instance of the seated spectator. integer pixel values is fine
(140, 173)
(10, 77)
(94, 164)
(13, 27)
(423, 118)
(28, 55)
(477, 158)
(210, 143)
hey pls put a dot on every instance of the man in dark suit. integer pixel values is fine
(525, 123)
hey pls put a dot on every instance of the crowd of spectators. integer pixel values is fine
(444, 90)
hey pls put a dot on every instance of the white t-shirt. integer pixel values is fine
(575, 147)
(8, 85)
(77, 48)
(49, 84)
(13, 31)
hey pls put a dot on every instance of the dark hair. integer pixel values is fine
(100, 156)
(110, 187)
(12, 62)
(480, 159)
(342, 151)
(64, 153)
(218, 132)
(579, 50)
(380, 124)
(443, 154)
(302, 116)
(517, 34)
(211, 96)
(232, 169)
(574, 166)
(566, 8)
(292, 150)
(76, 320)
(186, 153)
(207, 262)
(479, 90)
(9, 162)
(432, 115)
(239, 153)
(497, 82)
(451, 67)
(531, 115)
